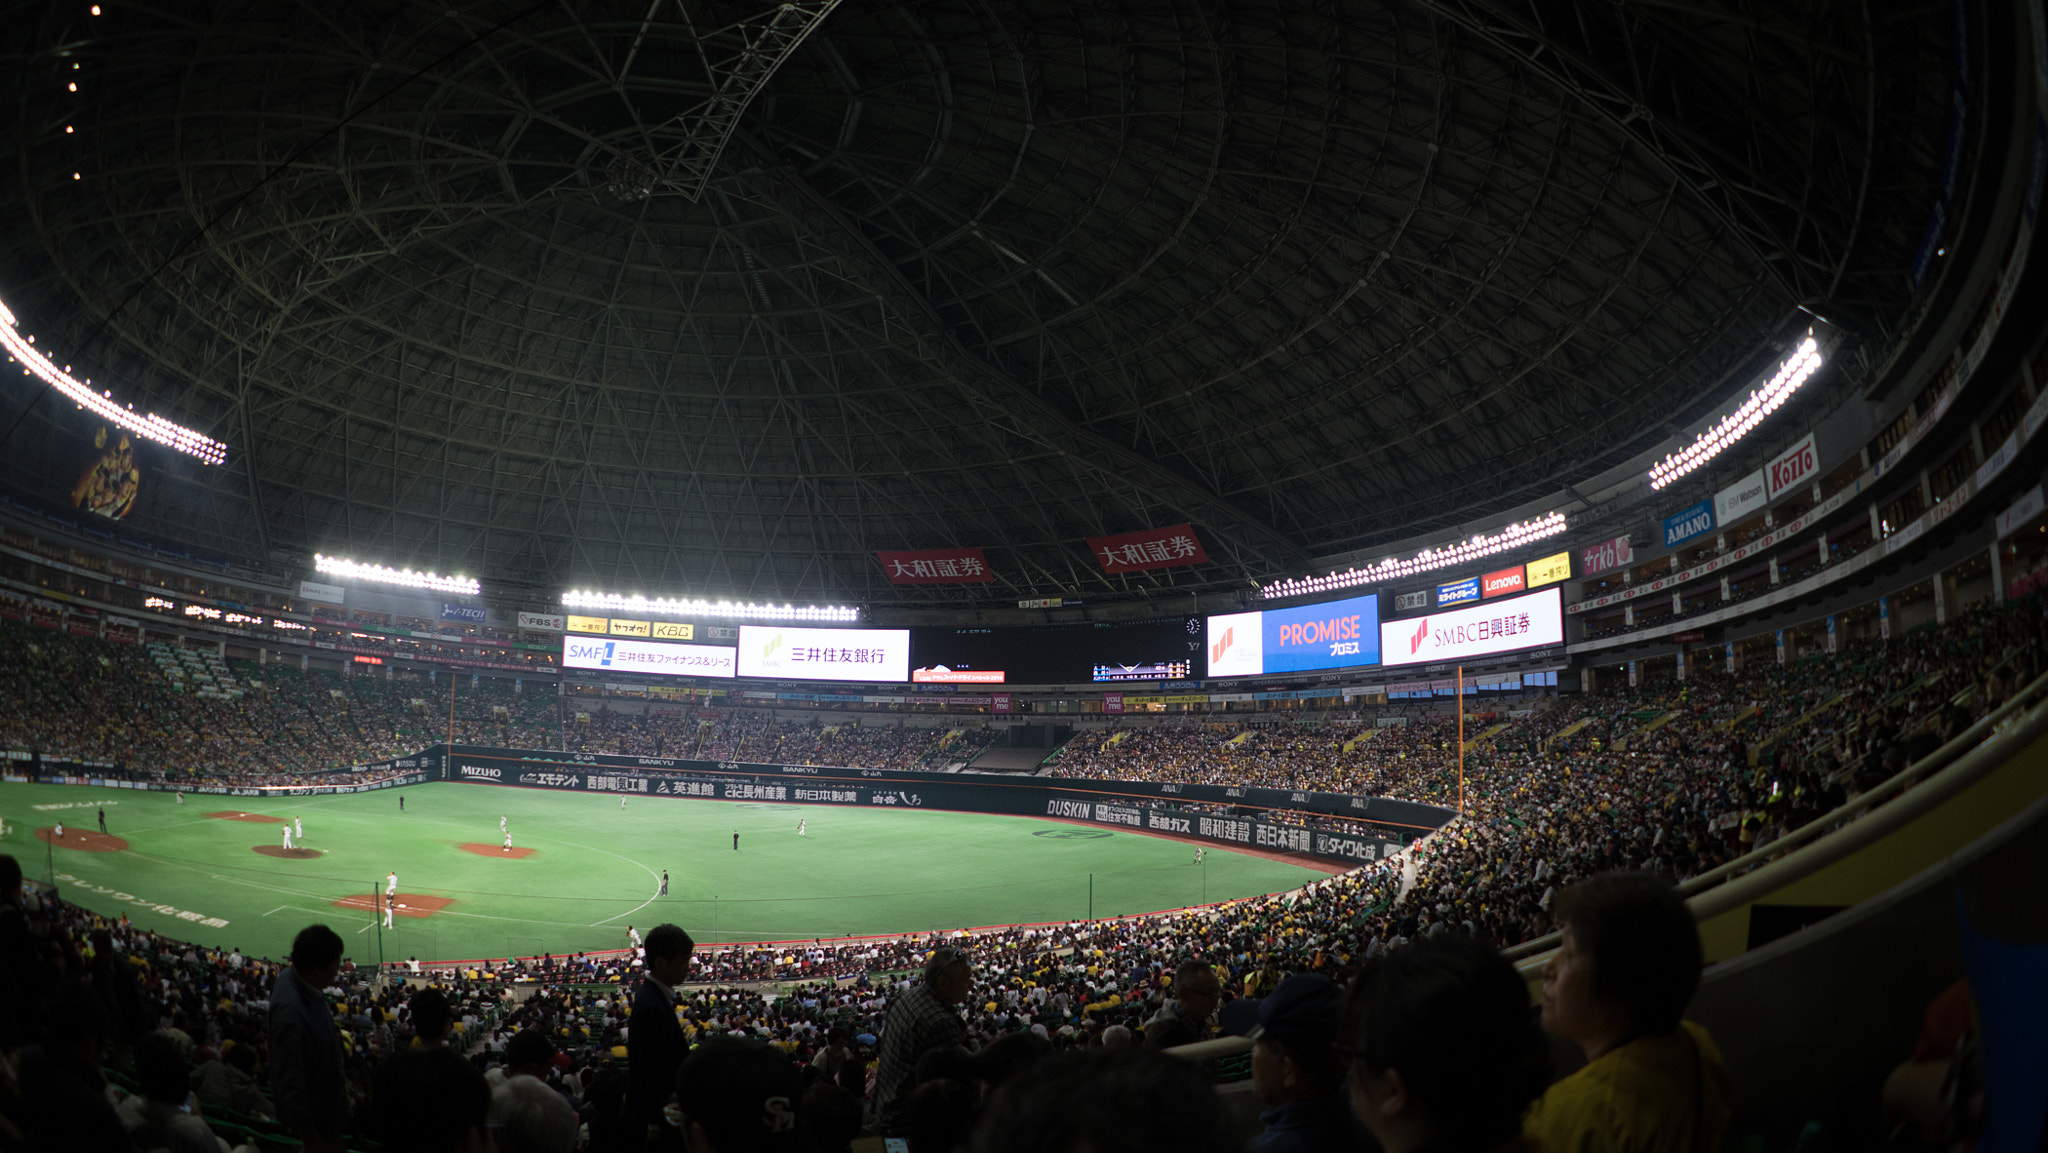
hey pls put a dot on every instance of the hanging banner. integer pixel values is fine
(999, 702)
(1884, 617)
(1781, 646)
(1634, 677)
(935, 566)
(1831, 632)
(1113, 703)
(1148, 549)
(1730, 649)
(1681, 665)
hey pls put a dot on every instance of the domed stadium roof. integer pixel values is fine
(709, 298)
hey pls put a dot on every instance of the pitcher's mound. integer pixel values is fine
(512, 854)
(239, 815)
(287, 854)
(83, 841)
(409, 904)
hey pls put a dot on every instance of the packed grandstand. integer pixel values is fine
(1613, 437)
(1670, 777)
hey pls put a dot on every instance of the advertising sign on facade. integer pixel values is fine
(1605, 556)
(324, 593)
(1740, 499)
(1523, 622)
(1506, 582)
(787, 652)
(628, 656)
(1550, 570)
(1457, 592)
(674, 631)
(471, 613)
(1688, 523)
(589, 624)
(1796, 465)
(1409, 602)
(543, 621)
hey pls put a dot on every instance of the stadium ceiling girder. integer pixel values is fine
(1312, 277)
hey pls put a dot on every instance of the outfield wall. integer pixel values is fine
(1145, 806)
(61, 772)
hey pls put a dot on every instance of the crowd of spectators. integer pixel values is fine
(1668, 778)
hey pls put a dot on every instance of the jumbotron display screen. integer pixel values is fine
(1162, 649)
(1330, 635)
(1501, 626)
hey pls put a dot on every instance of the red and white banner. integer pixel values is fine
(1799, 464)
(1112, 702)
(999, 702)
(935, 566)
(1502, 583)
(1149, 548)
(1610, 554)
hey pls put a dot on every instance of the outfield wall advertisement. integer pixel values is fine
(1126, 804)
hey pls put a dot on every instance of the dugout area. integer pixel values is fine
(585, 869)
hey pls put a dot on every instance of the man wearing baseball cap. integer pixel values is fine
(1296, 1071)
(739, 1096)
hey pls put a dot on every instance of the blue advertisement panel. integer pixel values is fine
(1688, 523)
(1457, 592)
(1331, 635)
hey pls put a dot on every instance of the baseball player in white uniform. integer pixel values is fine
(287, 836)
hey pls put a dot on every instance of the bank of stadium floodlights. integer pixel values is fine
(1513, 536)
(697, 607)
(22, 350)
(1797, 369)
(335, 566)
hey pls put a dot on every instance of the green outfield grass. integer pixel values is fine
(595, 868)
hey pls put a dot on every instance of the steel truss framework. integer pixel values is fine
(719, 298)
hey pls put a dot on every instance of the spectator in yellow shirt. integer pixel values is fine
(1618, 987)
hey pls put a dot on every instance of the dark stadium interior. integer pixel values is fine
(1571, 472)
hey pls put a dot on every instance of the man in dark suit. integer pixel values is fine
(655, 1044)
